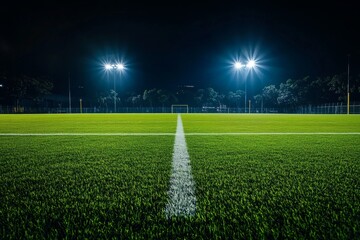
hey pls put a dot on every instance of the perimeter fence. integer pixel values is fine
(331, 108)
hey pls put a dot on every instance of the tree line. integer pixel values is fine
(34, 91)
(291, 93)
(23, 90)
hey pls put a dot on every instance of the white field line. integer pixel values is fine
(182, 199)
(273, 133)
(172, 134)
(87, 134)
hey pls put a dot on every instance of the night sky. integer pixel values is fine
(179, 43)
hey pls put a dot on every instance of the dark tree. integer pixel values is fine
(235, 99)
(135, 100)
(150, 97)
(163, 97)
(287, 95)
(270, 96)
(24, 87)
(207, 97)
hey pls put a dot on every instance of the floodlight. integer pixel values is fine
(120, 66)
(111, 68)
(238, 65)
(251, 64)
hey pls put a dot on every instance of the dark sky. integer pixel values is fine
(166, 45)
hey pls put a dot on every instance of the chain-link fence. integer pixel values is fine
(333, 108)
(329, 109)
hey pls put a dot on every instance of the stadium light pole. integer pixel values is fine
(249, 65)
(69, 92)
(113, 67)
(348, 85)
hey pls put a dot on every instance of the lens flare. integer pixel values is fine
(120, 66)
(251, 64)
(238, 65)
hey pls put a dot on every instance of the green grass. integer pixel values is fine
(83, 187)
(296, 187)
(247, 186)
(88, 123)
(218, 123)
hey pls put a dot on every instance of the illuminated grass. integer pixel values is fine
(93, 187)
(215, 123)
(88, 123)
(246, 186)
(277, 186)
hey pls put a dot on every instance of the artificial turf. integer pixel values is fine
(247, 186)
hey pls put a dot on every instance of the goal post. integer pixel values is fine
(179, 108)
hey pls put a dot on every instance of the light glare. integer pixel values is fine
(251, 64)
(238, 65)
(108, 66)
(120, 66)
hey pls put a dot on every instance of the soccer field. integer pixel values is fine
(131, 176)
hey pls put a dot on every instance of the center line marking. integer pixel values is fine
(182, 199)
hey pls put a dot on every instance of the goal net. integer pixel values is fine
(179, 108)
